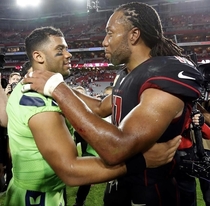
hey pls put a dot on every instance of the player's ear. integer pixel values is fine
(38, 56)
(134, 35)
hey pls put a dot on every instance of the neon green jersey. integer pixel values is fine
(30, 171)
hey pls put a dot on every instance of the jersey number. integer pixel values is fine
(116, 109)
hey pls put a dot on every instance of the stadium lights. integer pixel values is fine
(24, 3)
(92, 6)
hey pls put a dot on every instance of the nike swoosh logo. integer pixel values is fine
(182, 76)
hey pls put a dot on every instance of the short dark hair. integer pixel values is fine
(38, 36)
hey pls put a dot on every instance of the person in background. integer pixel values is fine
(151, 102)
(3, 102)
(187, 182)
(3, 97)
(14, 78)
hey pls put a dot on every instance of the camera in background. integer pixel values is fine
(13, 85)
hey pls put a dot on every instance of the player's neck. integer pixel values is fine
(136, 62)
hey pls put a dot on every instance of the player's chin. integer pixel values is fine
(108, 56)
(66, 73)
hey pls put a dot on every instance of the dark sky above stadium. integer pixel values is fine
(9, 8)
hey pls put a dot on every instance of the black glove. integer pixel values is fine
(201, 118)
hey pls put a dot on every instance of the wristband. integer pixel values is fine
(52, 83)
(135, 164)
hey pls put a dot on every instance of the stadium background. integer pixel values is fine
(187, 22)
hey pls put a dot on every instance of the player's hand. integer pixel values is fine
(198, 119)
(162, 153)
(43, 82)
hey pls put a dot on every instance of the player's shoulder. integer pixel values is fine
(172, 65)
(165, 60)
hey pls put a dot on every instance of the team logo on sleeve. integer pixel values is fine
(182, 76)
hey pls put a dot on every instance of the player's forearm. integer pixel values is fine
(93, 103)
(87, 170)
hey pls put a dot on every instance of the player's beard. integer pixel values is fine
(121, 54)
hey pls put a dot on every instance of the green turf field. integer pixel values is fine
(95, 197)
(96, 194)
